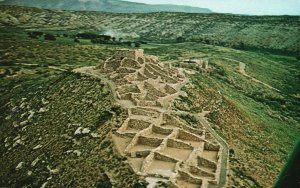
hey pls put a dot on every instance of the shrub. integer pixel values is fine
(191, 120)
(180, 39)
(35, 34)
(49, 37)
(87, 35)
(103, 182)
(137, 44)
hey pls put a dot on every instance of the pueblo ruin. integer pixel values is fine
(157, 144)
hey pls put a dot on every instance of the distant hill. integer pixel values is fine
(104, 5)
(242, 32)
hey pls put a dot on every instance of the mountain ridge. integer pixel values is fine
(242, 32)
(105, 6)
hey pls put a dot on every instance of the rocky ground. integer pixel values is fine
(58, 134)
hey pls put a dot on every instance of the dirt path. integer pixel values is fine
(50, 67)
(157, 144)
(242, 67)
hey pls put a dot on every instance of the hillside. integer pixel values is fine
(43, 103)
(75, 113)
(244, 32)
(104, 5)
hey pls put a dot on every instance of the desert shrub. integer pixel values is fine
(103, 182)
(143, 42)
(117, 110)
(219, 70)
(26, 180)
(35, 34)
(87, 35)
(191, 120)
(213, 116)
(49, 37)
(99, 41)
(105, 116)
(105, 37)
(137, 44)
(180, 39)
(140, 184)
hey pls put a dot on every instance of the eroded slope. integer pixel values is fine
(53, 132)
(268, 32)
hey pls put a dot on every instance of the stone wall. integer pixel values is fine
(211, 147)
(161, 130)
(145, 112)
(149, 74)
(141, 77)
(171, 120)
(177, 144)
(138, 124)
(140, 154)
(121, 54)
(153, 91)
(130, 63)
(187, 177)
(188, 136)
(206, 163)
(112, 64)
(125, 70)
(128, 89)
(129, 97)
(161, 157)
(170, 90)
(199, 172)
(154, 142)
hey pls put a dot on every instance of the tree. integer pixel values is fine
(35, 34)
(49, 37)
(180, 39)
(137, 44)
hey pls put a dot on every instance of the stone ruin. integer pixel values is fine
(199, 65)
(199, 62)
(157, 144)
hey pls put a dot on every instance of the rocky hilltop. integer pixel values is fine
(158, 145)
(104, 5)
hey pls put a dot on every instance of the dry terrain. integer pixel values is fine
(61, 127)
(277, 33)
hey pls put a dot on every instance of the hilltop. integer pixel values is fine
(279, 33)
(104, 5)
